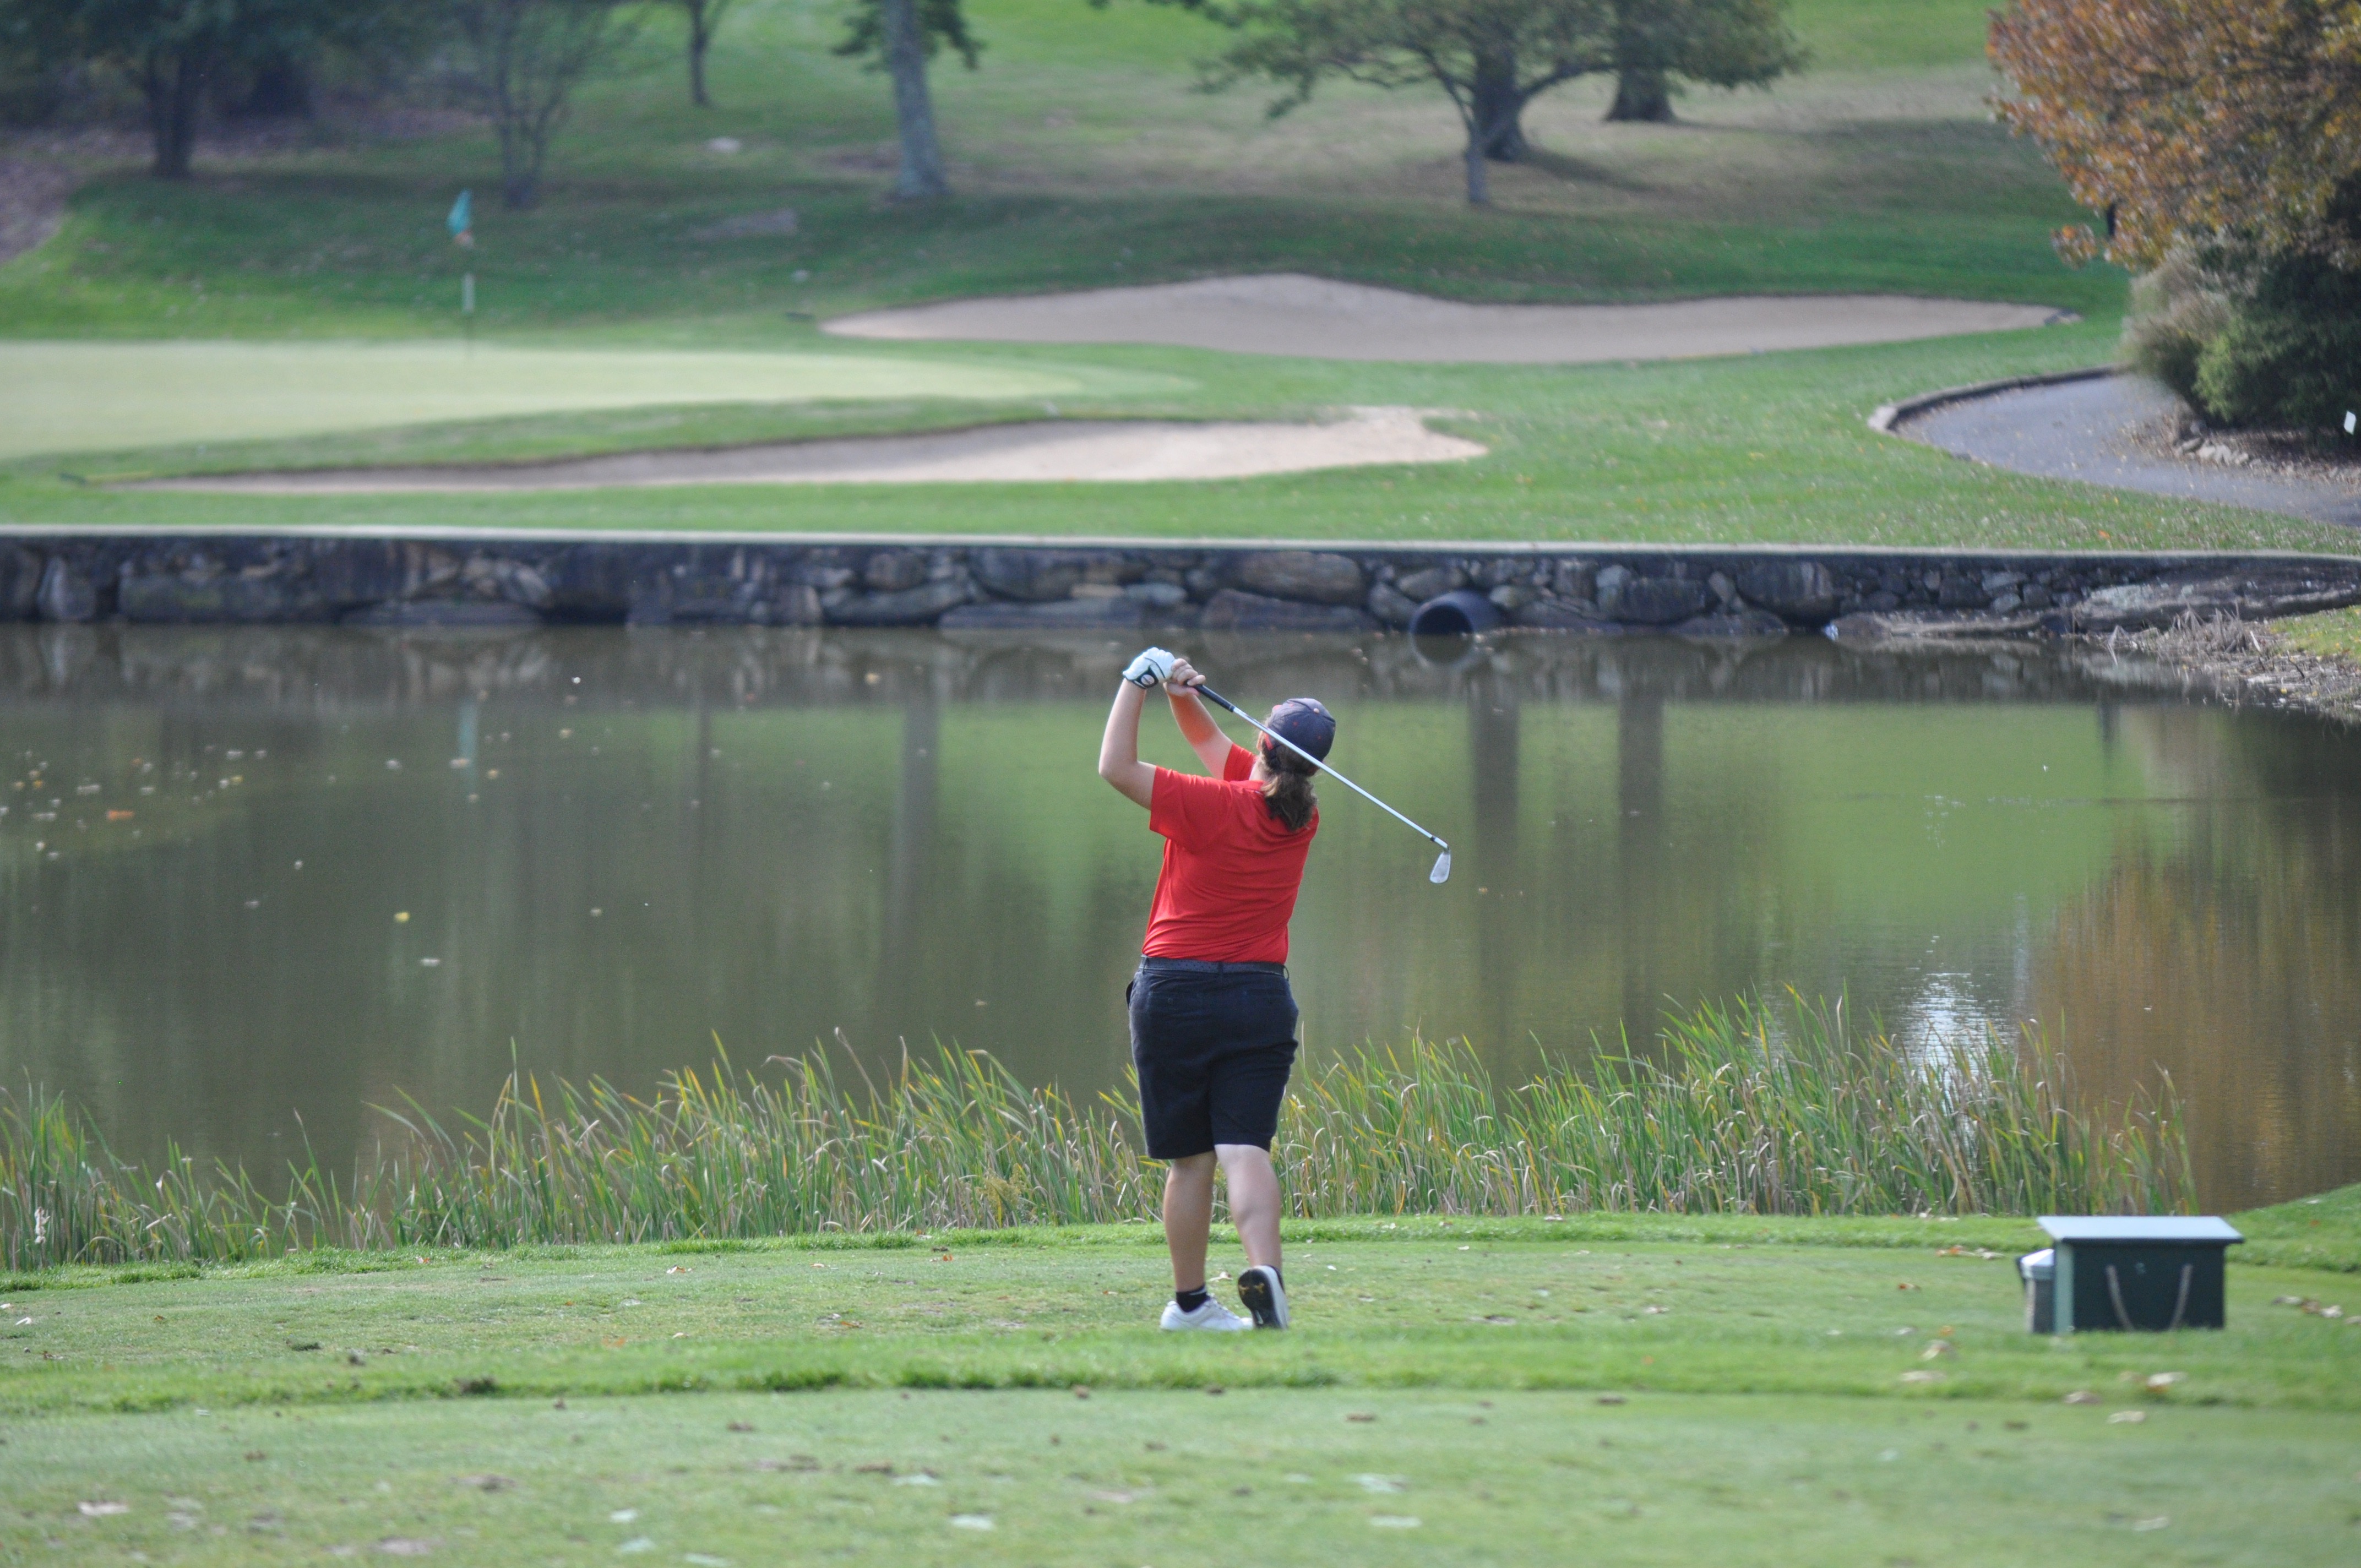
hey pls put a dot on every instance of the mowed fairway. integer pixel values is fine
(1531, 1393)
(90, 397)
(1083, 157)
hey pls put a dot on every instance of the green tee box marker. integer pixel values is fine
(2155, 1272)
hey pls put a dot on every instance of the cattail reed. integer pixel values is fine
(1743, 1109)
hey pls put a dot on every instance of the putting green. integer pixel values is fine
(95, 397)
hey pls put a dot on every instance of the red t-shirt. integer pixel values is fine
(1231, 869)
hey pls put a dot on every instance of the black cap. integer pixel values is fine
(1301, 721)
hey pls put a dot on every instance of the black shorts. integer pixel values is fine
(1213, 1044)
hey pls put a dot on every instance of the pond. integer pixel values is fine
(258, 881)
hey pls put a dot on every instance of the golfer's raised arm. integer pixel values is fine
(1119, 761)
(1197, 726)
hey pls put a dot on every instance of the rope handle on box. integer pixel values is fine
(2180, 1307)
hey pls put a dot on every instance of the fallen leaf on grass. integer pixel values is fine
(1116, 1497)
(917, 1478)
(1360, 1416)
(879, 1467)
(1395, 1521)
(2080, 1396)
(1937, 1349)
(792, 1462)
(1378, 1482)
(485, 1483)
(634, 1546)
(741, 1426)
(1494, 1318)
(1903, 1285)
(971, 1521)
(2127, 1418)
(2162, 1382)
(404, 1546)
(2161, 1521)
(1612, 1400)
(255, 1456)
(1920, 1378)
(101, 1510)
(622, 1516)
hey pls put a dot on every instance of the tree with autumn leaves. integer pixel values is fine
(2221, 140)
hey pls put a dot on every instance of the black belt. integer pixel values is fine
(1203, 966)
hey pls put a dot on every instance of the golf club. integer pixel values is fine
(1442, 872)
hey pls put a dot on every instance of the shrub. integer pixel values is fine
(2289, 355)
(2176, 311)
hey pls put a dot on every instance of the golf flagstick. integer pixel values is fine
(1442, 872)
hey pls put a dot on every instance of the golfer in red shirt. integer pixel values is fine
(1213, 1021)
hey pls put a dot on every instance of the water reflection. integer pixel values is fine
(614, 847)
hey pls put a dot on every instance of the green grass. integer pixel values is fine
(2331, 634)
(1082, 156)
(1742, 1305)
(1678, 1390)
(1744, 1110)
(1150, 1478)
(58, 393)
(1768, 449)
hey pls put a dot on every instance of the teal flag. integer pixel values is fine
(463, 215)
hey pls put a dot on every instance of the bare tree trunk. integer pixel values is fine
(173, 85)
(1641, 94)
(921, 179)
(1479, 179)
(1493, 95)
(700, 39)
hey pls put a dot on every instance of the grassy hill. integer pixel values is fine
(1084, 156)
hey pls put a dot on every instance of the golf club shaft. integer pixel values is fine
(1219, 700)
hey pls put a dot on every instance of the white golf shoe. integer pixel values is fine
(1260, 1293)
(1211, 1316)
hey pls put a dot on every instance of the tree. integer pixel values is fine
(901, 36)
(704, 21)
(2222, 139)
(521, 60)
(1728, 43)
(170, 50)
(2191, 119)
(1490, 57)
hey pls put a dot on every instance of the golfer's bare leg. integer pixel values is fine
(1187, 1217)
(1254, 1202)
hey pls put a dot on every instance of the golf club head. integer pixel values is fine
(1442, 872)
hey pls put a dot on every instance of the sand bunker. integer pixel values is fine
(1290, 313)
(1073, 449)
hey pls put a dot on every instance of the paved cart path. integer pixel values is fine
(2092, 431)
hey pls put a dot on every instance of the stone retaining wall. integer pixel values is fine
(483, 579)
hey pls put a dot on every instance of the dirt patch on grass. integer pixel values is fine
(1318, 318)
(1041, 451)
(33, 195)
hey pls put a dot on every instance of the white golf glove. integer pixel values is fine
(1150, 670)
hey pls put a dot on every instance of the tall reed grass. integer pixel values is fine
(1745, 1109)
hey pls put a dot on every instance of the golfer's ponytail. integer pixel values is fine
(1288, 792)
